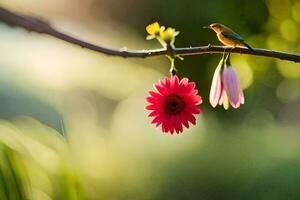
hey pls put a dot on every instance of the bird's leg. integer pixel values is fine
(233, 47)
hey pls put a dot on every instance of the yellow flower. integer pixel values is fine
(154, 30)
(169, 35)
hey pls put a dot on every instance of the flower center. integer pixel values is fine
(173, 104)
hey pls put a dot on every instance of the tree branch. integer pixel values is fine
(37, 25)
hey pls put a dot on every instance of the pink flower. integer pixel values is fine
(232, 87)
(173, 104)
(225, 88)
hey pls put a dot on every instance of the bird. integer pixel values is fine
(227, 36)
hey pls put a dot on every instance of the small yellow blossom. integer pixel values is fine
(169, 35)
(154, 30)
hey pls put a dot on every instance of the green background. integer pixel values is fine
(74, 125)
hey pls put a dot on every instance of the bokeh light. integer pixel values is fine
(74, 125)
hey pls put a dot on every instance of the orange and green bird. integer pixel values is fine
(227, 36)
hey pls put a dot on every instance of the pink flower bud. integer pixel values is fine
(232, 87)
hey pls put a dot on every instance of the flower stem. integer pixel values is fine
(173, 70)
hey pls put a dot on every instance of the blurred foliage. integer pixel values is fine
(74, 125)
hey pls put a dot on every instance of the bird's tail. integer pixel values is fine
(250, 48)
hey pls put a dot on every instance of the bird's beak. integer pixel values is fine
(206, 27)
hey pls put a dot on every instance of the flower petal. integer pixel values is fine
(185, 121)
(152, 107)
(155, 94)
(242, 98)
(162, 90)
(216, 86)
(174, 84)
(225, 101)
(154, 113)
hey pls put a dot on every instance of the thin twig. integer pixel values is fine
(37, 25)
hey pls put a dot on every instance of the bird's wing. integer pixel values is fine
(233, 36)
(236, 37)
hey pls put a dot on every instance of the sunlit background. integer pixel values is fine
(73, 124)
